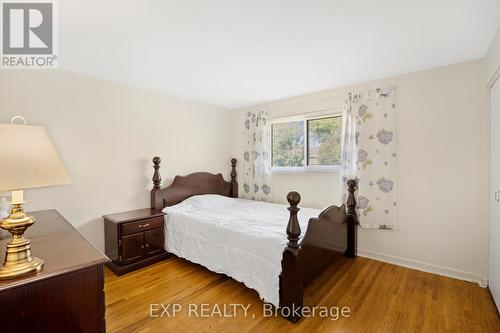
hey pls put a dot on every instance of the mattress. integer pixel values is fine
(243, 239)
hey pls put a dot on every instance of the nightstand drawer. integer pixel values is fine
(142, 225)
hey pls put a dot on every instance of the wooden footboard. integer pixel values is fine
(329, 236)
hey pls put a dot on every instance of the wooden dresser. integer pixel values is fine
(67, 295)
(134, 239)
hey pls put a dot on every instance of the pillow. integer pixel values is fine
(204, 201)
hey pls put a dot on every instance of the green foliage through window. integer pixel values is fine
(323, 142)
(288, 144)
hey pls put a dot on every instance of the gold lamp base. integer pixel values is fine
(18, 258)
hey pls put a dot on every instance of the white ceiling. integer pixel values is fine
(234, 53)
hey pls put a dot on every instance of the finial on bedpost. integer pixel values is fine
(291, 279)
(293, 227)
(156, 175)
(156, 192)
(233, 169)
(234, 184)
(351, 201)
(352, 219)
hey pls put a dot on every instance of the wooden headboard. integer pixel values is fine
(196, 183)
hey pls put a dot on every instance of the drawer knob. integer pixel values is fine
(147, 245)
(143, 225)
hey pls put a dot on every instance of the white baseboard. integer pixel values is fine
(425, 267)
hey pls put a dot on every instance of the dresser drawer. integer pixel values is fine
(141, 225)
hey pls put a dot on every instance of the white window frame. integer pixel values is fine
(303, 117)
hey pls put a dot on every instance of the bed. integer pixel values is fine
(256, 243)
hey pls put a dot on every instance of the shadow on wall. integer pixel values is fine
(143, 181)
(93, 231)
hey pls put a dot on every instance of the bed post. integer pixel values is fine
(156, 192)
(233, 191)
(352, 220)
(290, 280)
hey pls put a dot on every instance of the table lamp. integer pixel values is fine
(28, 159)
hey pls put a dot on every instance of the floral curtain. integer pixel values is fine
(256, 158)
(369, 155)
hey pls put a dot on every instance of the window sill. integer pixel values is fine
(307, 169)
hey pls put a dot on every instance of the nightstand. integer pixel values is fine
(134, 239)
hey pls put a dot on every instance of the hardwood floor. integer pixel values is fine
(381, 297)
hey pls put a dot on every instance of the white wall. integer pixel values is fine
(107, 134)
(443, 149)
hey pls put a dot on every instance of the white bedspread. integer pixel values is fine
(240, 238)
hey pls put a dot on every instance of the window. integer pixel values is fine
(288, 144)
(307, 144)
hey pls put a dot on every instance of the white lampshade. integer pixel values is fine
(28, 159)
